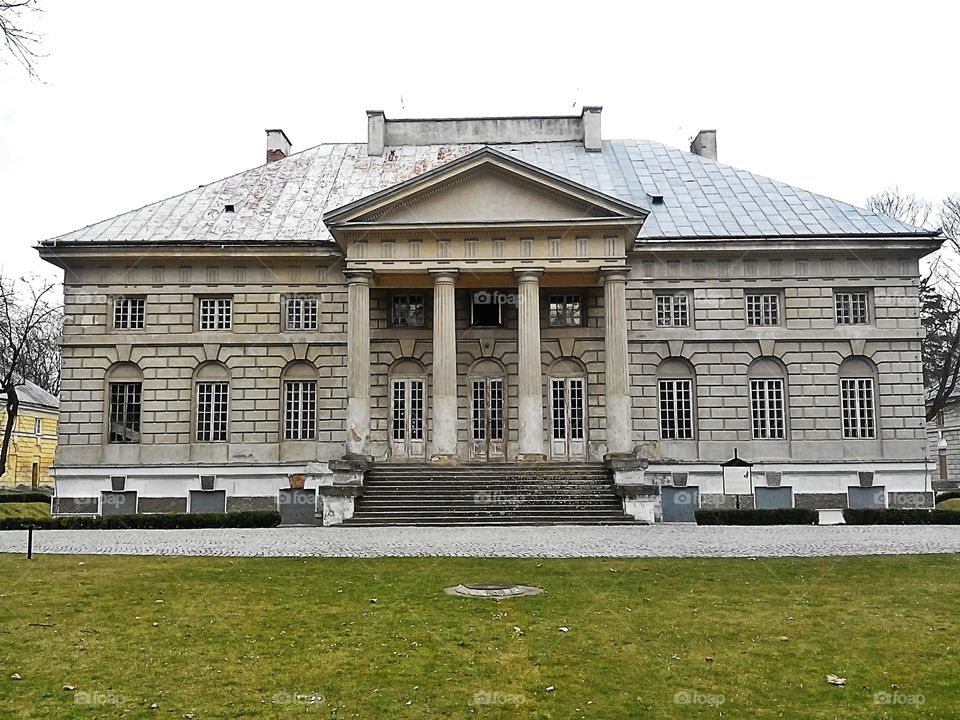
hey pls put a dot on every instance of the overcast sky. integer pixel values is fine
(143, 100)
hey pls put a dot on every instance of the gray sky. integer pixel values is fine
(142, 100)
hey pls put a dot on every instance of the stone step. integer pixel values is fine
(441, 521)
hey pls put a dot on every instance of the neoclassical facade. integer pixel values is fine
(505, 291)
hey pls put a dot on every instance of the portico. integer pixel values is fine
(488, 276)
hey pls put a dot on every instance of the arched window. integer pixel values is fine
(676, 392)
(124, 396)
(299, 401)
(212, 387)
(768, 399)
(858, 380)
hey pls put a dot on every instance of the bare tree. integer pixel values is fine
(939, 293)
(27, 317)
(20, 42)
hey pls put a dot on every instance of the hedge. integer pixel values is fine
(22, 497)
(781, 516)
(901, 516)
(171, 521)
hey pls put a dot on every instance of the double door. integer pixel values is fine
(567, 418)
(407, 398)
(486, 419)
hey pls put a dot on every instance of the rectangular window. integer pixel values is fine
(852, 308)
(763, 309)
(212, 404)
(486, 308)
(125, 412)
(407, 311)
(676, 409)
(128, 313)
(216, 313)
(672, 311)
(566, 311)
(766, 405)
(300, 410)
(301, 313)
(37, 426)
(856, 399)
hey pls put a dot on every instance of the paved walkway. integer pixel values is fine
(556, 541)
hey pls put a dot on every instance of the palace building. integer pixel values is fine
(491, 299)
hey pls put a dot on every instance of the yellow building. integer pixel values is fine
(34, 437)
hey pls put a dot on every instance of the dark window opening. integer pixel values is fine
(486, 308)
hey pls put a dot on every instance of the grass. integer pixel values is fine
(241, 638)
(27, 511)
(951, 504)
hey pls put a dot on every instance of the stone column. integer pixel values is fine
(619, 416)
(358, 363)
(530, 378)
(444, 367)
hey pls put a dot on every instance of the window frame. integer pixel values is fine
(494, 296)
(674, 308)
(396, 301)
(211, 433)
(301, 303)
(682, 430)
(124, 315)
(125, 386)
(38, 426)
(855, 413)
(763, 309)
(302, 424)
(850, 305)
(768, 420)
(571, 314)
(215, 299)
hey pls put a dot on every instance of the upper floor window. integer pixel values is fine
(125, 412)
(216, 313)
(763, 309)
(301, 313)
(486, 308)
(672, 310)
(566, 311)
(852, 308)
(128, 313)
(857, 408)
(212, 407)
(37, 426)
(407, 311)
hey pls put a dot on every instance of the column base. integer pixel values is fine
(444, 460)
(531, 457)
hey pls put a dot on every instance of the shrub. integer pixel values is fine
(899, 516)
(24, 497)
(781, 516)
(172, 521)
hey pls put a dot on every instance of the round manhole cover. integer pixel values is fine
(492, 590)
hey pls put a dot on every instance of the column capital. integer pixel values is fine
(615, 273)
(443, 276)
(528, 274)
(361, 276)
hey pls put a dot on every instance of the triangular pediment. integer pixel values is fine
(482, 188)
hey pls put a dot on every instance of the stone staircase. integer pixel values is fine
(489, 494)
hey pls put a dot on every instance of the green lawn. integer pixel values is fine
(27, 511)
(239, 638)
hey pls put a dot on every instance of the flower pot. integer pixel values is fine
(297, 481)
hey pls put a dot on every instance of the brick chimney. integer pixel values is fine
(278, 145)
(705, 144)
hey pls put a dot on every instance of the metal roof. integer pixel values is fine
(284, 201)
(30, 394)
